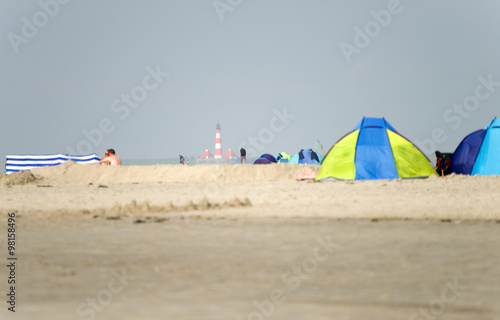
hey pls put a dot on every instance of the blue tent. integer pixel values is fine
(479, 152)
(306, 156)
(266, 158)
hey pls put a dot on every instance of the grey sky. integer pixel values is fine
(262, 57)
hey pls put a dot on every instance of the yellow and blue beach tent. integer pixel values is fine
(374, 150)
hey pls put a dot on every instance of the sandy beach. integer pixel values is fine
(249, 242)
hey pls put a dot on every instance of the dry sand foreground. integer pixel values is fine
(249, 242)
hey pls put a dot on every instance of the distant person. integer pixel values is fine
(181, 159)
(115, 160)
(105, 160)
(111, 159)
(243, 154)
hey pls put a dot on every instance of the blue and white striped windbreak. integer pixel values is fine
(15, 163)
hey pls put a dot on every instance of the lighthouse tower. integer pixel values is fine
(218, 148)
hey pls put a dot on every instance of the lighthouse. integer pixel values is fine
(218, 148)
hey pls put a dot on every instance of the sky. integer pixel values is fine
(152, 78)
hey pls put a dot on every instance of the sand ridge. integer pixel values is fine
(265, 191)
(70, 172)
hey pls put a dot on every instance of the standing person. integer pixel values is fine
(243, 154)
(111, 159)
(181, 159)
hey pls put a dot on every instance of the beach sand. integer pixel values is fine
(249, 242)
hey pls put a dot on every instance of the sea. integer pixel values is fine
(189, 161)
(150, 162)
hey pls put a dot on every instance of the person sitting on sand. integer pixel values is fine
(105, 160)
(111, 158)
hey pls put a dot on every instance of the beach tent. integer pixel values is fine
(306, 156)
(479, 152)
(207, 154)
(283, 157)
(266, 158)
(230, 155)
(374, 150)
(15, 163)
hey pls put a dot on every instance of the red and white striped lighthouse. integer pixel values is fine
(218, 148)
